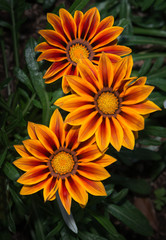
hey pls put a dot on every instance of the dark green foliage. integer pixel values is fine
(28, 217)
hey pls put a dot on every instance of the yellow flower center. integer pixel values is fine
(78, 51)
(108, 103)
(62, 163)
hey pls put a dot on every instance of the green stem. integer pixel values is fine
(15, 44)
(151, 32)
(46, 110)
(28, 105)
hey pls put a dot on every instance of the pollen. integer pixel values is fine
(62, 163)
(78, 51)
(107, 103)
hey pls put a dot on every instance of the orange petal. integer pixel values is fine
(112, 57)
(68, 24)
(120, 69)
(145, 107)
(80, 86)
(22, 151)
(36, 149)
(93, 187)
(105, 23)
(42, 47)
(132, 120)
(88, 153)
(71, 102)
(57, 126)
(54, 38)
(48, 139)
(129, 66)
(90, 65)
(79, 115)
(31, 130)
(88, 24)
(140, 81)
(71, 70)
(105, 71)
(136, 94)
(87, 75)
(64, 195)
(50, 188)
(103, 134)
(115, 49)
(72, 138)
(78, 15)
(106, 36)
(55, 21)
(27, 190)
(27, 163)
(90, 126)
(116, 134)
(105, 160)
(76, 191)
(36, 175)
(128, 138)
(53, 55)
(56, 67)
(60, 72)
(92, 171)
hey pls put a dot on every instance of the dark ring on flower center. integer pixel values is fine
(63, 176)
(109, 90)
(80, 42)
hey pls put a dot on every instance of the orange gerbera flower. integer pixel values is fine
(54, 160)
(107, 102)
(73, 38)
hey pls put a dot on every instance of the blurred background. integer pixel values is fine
(135, 207)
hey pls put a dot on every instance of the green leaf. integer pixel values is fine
(37, 79)
(23, 78)
(90, 236)
(119, 196)
(11, 223)
(156, 131)
(19, 203)
(145, 67)
(139, 186)
(158, 82)
(158, 98)
(132, 217)
(146, 4)
(108, 226)
(54, 231)
(2, 156)
(144, 55)
(10, 171)
(78, 5)
(131, 40)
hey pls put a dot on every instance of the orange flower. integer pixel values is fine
(54, 160)
(74, 38)
(107, 102)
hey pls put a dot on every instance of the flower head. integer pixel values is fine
(54, 160)
(107, 102)
(75, 37)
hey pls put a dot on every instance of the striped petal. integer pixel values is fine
(78, 15)
(105, 71)
(145, 107)
(93, 187)
(88, 153)
(106, 36)
(55, 68)
(92, 171)
(42, 47)
(31, 130)
(115, 49)
(27, 163)
(68, 24)
(89, 127)
(53, 55)
(103, 134)
(64, 195)
(50, 188)
(57, 126)
(54, 38)
(128, 138)
(36, 175)
(76, 191)
(72, 138)
(136, 94)
(116, 134)
(48, 139)
(105, 23)
(36, 149)
(79, 115)
(132, 120)
(22, 151)
(71, 102)
(105, 160)
(27, 190)
(55, 21)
